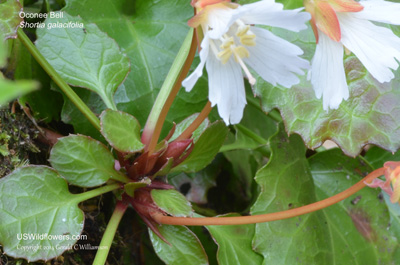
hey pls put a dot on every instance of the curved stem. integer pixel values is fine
(58, 80)
(96, 192)
(270, 216)
(196, 123)
(106, 241)
(179, 70)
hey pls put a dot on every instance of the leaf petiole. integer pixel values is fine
(118, 176)
(168, 92)
(96, 192)
(108, 236)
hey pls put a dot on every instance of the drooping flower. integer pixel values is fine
(392, 184)
(347, 23)
(231, 43)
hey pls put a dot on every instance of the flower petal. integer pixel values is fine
(275, 59)
(376, 47)
(346, 5)
(219, 20)
(384, 185)
(380, 11)
(327, 21)
(327, 72)
(226, 88)
(191, 80)
(269, 13)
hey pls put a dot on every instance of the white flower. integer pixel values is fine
(349, 25)
(231, 43)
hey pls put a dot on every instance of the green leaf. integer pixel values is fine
(3, 51)
(9, 18)
(121, 130)
(371, 115)
(234, 243)
(245, 164)
(358, 227)
(35, 202)
(45, 104)
(181, 127)
(254, 129)
(82, 161)
(131, 187)
(394, 210)
(151, 32)
(70, 114)
(172, 202)
(377, 157)
(286, 183)
(205, 149)
(208, 243)
(185, 247)
(11, 90)
(84, 56)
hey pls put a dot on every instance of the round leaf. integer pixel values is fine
(234, 243)
(286, 182)
(39, 217)
(172, 202)
(84, 57)
(121, 130)
(82, 161)
(359, 227)
(184, 248)
(9, 18)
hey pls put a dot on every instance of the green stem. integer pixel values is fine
(251, 134)
(106, 241)
(109, 103)
(96, 192)
(273, 114)
(118, 176)
(264, 146)
(240, 220)
(167, 93)
(58, 80)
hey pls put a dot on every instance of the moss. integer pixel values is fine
(17, 134)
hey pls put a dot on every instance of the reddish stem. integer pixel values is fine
(270, 216)
(196, 123)
(178, 84)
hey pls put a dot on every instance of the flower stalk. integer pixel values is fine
(168, 92)
(106, 241)
(240, 220)
(186, 134)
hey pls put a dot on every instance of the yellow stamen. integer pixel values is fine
(240, 52)
(224, 55)
(246, 36)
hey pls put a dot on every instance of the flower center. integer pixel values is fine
(229, 47)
